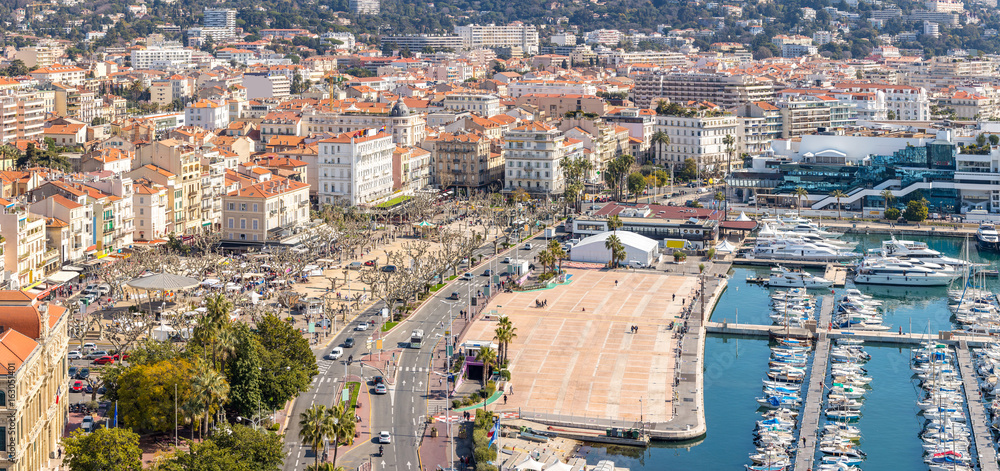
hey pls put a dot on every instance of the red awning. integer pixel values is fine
(739, 225)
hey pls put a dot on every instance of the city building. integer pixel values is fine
(727, 91)
(905, 102)
(221, 18)
(674, 227)
(266, 85)
(33, 404)
(533, 154)
(63, 74)
(465, 160)
(207, 114)
(407, 129)
(161, 57)
(22, 115)
(364, 7)
(417, 42)
(485, 105)
(25, 250)
(356, 169)
(151, 211)
(265, 211)
(411, 169)
(514, 35)
(699, 135)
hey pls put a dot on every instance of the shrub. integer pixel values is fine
(466, 401)
(485, 467)
(491, 387)
(916, 211)
(484, 454)
(456, 403)
(546, 276)
(710, 253)
(479, 438)
(678, 256)
(505, 374)
(892, 214)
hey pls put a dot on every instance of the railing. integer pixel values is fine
(593, 423)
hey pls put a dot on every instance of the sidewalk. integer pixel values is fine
(436, 452)
(363, 432)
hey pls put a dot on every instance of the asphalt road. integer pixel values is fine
(402, 411)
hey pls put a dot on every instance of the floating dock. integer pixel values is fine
(978, 418)
(812, 410)
(837, 274)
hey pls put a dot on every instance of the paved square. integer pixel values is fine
(577, 356)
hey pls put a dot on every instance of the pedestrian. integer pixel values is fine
(900, 330)
(673, 297)
(505, 399)
(616, 282)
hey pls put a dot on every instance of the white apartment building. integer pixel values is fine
(485, 105)
(906, 103)
(407, 129)
(619, 58)
(77, 217)
(258, 212)
(545, 87)
(25, 248)
(516, 34)
(364, 7)
(700, 138)
(161, 57)
(150, 202)
(207, 114)
(266, 85)
(222, 18)
(56, 73)
(604, 36)
(533, 153)
(727, 91)
(356, 169)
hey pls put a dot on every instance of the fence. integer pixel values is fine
(593, 423)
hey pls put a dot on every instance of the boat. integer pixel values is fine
(785, 278)
(896, 272)
(918, 250)
(799, 250)
(987, 238)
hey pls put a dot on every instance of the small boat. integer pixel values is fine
(843, 414)
(850, 452)
(786, 278)
(987, 238)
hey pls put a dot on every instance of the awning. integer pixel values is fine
(92, 248)
(62, 276)
(739, 225)
(72, 268)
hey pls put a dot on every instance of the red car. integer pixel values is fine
(105, 360)
(370, 263)
(123, 357)
(77, 386)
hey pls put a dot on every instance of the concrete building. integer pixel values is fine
(466, 160)
(151, 212)
(161, 57)
(906, 103)
(207, 114)
(33, 404)
(407, 129)
(485, 105)
(78, 218)
(356, 169)
(364, 7)
(554, 106)
(533, 154)
(25, 250)
(411, 169)
(222, 18)
(22, 115)
(699, 137)
(63, 74)
(417, 42)
(266, 85)
(676, 227)
(262, 211)
(727, 91)
(514, 35)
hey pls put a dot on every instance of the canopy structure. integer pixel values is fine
(743, 217)
(529, 464)
(559, 466)
(424, 224)
(725, 246)
(163, 282)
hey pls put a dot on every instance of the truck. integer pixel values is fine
(550, 232)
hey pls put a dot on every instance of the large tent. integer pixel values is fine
(637, 248)
(162, 282)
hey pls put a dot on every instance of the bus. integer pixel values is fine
(416, 338)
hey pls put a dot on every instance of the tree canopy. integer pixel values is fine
(103, 449)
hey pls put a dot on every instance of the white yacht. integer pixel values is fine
(987, 238)
(918, 250)
(789, 249)
(812, 228)
(893, 271)
(784, 278)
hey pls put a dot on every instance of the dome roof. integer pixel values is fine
(399, 109)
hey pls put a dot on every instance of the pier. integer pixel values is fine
(886, 337)
(770, 262)
(812, 410)
(837, 274)
(978, 418)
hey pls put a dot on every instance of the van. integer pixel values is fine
(636, 264)
(355, 266)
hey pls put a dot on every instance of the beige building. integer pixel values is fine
(25, 251)
(259, 211)
(554, 106)
(150, 203)
(183, 161)
(33, 405)
(22, 115)
(468, 160)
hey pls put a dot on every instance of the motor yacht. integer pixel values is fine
(785, 278)
(913, 249)
(788, 249)
(987, 238)
(896, 272)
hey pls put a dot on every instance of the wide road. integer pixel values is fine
(402, 411)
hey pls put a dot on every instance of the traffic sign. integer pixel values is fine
(378, 344)
(345, 394)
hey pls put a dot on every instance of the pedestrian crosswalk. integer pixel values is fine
(437, 406)
(415, 369)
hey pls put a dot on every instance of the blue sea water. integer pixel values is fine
(734, 369)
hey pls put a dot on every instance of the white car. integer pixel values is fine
(384, 437)
(467, 276)
(89, 346)
(527, 246)
(88, 424)
(74, 355)
(335, 354)
(506, 260)
(362, 326)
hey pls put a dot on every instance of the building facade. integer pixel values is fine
(356, 169)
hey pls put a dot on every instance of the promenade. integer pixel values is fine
(978, 417)
(812, 410)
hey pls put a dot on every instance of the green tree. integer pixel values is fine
(689, 170)
(315, 426)
(488, 358)
(887, 197)
(636, 184)
(614, 244)
(210, 390)
(916, 210)
(104, 449)
(838, 194)
(146, 394)
(261, 449)
(546, 259)
(343, 427)
(892, 214)
(660, 141)
(994, 140)
(558, 253)
(799, 194)
(244, 373)
(614, 223)
(289, 365)
(504, 334)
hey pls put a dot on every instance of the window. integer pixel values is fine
(243, 237)
(243, 206)
(232, 206)
(255, 223)
(243, 223)
(142, 222)
(255, 207)
(141, 211)
(230, 223)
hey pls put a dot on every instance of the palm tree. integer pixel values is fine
(719, 197)
(888, 197)
(614, 222)
(614, 244)
(488, 358)
(504, 333)
(211, 389)
(315, 425)
(799, 194)
(729, 141)
(838, 194)
(546, 259)
(660, 139)
(343, 423)
(558, 253)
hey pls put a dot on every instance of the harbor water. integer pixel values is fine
(734, 368)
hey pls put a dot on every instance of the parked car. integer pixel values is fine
(74, 355)
(389, 268)
(369, 263)
(349, 342)
(83, 373)
(381, 389)
(88, 424)
(88, 347)
(118, 357)
(335, 354)
(77, 386)
(355, 266)
(72, 371)
(104, 360)
(362, 327)
(104, 289)
(97, 354)
(384, 437)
